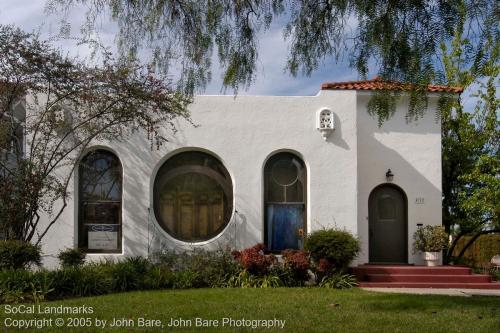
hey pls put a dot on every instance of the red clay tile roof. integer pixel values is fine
(378, 84)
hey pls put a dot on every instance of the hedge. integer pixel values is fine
(479, 254)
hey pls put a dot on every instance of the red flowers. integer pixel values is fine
(254, 260)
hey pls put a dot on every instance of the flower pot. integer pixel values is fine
(432, 258)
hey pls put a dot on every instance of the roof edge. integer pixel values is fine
(378, 84)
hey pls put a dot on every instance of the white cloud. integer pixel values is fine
(270, 79)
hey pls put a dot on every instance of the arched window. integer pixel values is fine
(100, 202)
(193, 196)
(285, 201)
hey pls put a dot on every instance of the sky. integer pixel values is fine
(270, 80)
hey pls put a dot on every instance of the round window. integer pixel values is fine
(193, 196)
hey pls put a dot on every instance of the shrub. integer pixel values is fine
(16, 254)
(89, 280)
(337, 247)
(210, 268)
(431, 238)
(71, 257)
(296, 267)
(254, 260)
(338, 281)
(24, 286)
(479, 254)
(245, 279)
(158, 278)
(129, 274)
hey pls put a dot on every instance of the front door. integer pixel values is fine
(387, 225)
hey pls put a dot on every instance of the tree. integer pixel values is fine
(470, 143)
(68, 105)
(401, 37)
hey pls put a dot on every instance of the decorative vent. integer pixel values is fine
(325, 122)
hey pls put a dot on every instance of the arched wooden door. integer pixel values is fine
(388, 235)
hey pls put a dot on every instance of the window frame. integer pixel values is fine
(82, 233)
(220, 174)
(267, 175)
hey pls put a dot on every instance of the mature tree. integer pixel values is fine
(67, 105)
(401, 38)
(470, 143)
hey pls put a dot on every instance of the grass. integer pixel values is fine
(303, 309)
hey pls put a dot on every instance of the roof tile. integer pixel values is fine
(378, 84)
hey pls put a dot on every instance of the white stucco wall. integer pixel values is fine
(412, 150)
(243, 132)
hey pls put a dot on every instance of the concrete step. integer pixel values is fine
(437, 285)
(441, 278)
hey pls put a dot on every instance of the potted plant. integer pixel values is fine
(430, 240)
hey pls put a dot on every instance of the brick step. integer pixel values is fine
(474, 278)
(437, 285)
(362, 270)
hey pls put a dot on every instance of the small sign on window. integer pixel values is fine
(103, 237)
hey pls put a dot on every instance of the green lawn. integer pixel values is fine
(303, 309)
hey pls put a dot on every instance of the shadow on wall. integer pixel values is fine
(336, 136)
(410, 180)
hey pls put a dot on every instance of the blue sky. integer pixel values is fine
(270, 80)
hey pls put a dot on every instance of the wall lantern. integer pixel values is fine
(389, 175)
(325, 122)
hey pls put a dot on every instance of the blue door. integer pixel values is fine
(284, 188)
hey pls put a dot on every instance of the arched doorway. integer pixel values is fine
(388, 226)
(285, 202)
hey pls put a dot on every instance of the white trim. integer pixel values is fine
(152, 179)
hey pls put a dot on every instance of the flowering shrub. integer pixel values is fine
(254, 260)
(297, 262)
(431, 238)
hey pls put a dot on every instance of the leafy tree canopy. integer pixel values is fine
(63, 105)
(401, 38)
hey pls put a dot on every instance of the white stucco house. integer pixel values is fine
(262, 169)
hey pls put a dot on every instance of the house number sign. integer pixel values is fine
(419, 201)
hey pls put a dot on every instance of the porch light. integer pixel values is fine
(389, 175)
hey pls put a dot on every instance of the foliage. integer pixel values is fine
(71, 257)
(129, 274)
(431, 238)
(88, 280)
(247, 280)
(18, 285)
(297, 264)
(336, 247)
(479, 254)
(470, 140)
(401, 38)
(210, 269)
(16, 254)
(254, 260)
(338, 281)
(69, 105)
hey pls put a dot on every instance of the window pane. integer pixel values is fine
(386, 207)
(284, 188)
(193, 196)
(284, 179)
(100, 183)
